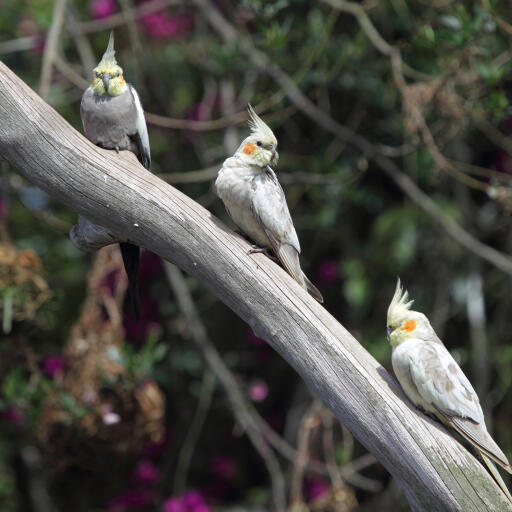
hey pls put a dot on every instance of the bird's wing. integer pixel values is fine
(141, 134)
(442, 384)
(269, 208)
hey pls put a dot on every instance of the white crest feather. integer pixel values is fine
(109, 57)
(259, 127)
(399, 306)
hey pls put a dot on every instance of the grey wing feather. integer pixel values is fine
(141, 134)
(269, 208)
(441, 383)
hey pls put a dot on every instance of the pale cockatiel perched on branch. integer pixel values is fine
(255, 200)
(113, 118)
(434, 382)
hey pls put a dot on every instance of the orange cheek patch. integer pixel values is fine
(410, 325)
(249, 149)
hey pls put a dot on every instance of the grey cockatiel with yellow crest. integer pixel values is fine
(255, 200)
(113, 118)
(434, 382)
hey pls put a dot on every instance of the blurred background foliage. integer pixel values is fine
(103, 414)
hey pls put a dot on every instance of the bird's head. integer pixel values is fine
(107, 76)
(260, 148)
(402, 322)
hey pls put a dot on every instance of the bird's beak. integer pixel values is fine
(275, 155)
(105, 78)
(389, 330)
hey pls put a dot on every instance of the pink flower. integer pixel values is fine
(109, 417)
(192, 499)
(173, 505)
(163, 25)
(224, 467)
(254, 339)
(146, 473)
(14, 415)
(53, 365)
(327, 272)
(102, 8)
(258, 390)
(316, 488)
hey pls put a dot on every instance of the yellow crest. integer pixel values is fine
(399, 306)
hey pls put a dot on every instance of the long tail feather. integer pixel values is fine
(131, 257)
(495, 474)
(313, 290)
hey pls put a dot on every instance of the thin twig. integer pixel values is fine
(194, 431)
(50, 49)
(309, 421)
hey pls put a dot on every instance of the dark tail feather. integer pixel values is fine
(313, 290)
(131, 256)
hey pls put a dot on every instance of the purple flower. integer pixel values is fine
(53, 365)
(102, 8)
(132, 501)
(327, 272)
(254, 339)
(192, 499)
(163, 25)
(146, 473)
(258, 390)
(316, 488)
(224, 467)
(173, 505)
(14, 415)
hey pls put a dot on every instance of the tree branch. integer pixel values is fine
(435, 471)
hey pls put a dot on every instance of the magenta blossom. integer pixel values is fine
(316, 488)
(146, 473)
(14, 415)
(190, 501)
(102, 8)
(163, 25)
(173, 505)
(254, 339)
(53, 365)
(223, 466)
(258, 390)
(327, 272)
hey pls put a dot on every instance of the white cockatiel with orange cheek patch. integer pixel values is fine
(434, 382)
(255, 200)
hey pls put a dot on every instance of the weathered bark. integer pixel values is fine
(435, 471)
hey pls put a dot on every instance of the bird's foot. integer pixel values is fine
(117, 149)
(264, 250)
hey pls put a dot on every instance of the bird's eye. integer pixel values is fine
(259, 143)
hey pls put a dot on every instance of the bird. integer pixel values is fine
(254, 199)
(434, 382)
(113, 118)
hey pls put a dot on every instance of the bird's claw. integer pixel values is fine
(263, 250)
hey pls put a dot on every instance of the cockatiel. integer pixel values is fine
(255, 200)
(434, 382)
(113, 118)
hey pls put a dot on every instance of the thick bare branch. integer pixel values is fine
(435, 471)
